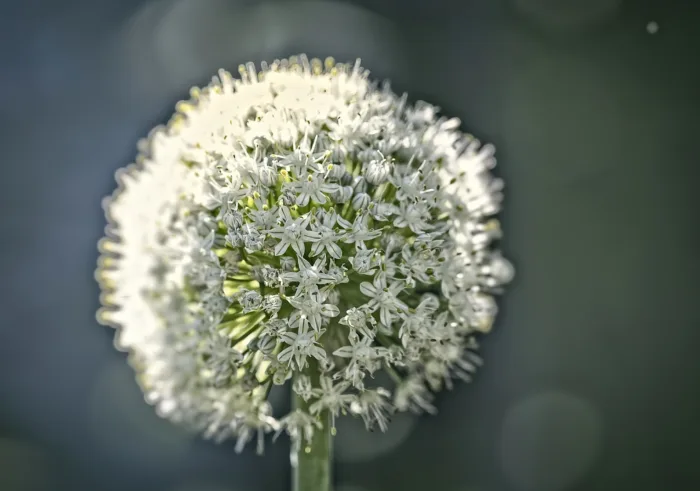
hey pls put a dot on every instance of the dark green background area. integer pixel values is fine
(591, 374)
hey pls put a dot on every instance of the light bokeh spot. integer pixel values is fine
(353, 443)
(168, 45)
(549, 441)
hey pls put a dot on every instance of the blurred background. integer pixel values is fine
(591, 378)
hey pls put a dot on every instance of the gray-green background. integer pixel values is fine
(591, 375)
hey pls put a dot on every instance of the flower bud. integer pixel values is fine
(359, 185)
(234, 238)
(335, 171)
(483, 312)
(333, 297)
(368, 154)
(250, 300)
(362, 261)
(501, 269)
(346, 179)
(360, 201)
(338, 153)
(342, 194)
(267, 275)
(268, 176)
(377, 172)
(390, 145)
(392, 242)
(266, 344)
(275, 327)
(287, 199)
(272, 304)
(232, 219)
(253, 241)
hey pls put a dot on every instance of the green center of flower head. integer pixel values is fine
(323, 260)
(302, 221)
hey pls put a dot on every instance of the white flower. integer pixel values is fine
(313, 187)
(384, 297)
(364, 261)
(374, 406)
(363, 357)
(302, 387)
(300, 426)
(415, 216)
(382, 211)
(287, 263)
(263, 216)
(309, 275)
(295, 220)
(331, 396)
(311, 309)
(360, 232)
(413, 395)
(324, 237)
(361, 351)
(223, 360)
(300, 345)
(291, 232)
(360, 321)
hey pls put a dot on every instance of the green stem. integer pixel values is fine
(315, 458)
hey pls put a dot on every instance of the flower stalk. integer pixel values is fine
(312, 463)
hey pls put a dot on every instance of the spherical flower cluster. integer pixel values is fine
(301, 222)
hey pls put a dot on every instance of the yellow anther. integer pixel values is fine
(183, 107)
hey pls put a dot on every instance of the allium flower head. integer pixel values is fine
(301, 220)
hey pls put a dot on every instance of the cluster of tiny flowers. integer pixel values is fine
(301, 222)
